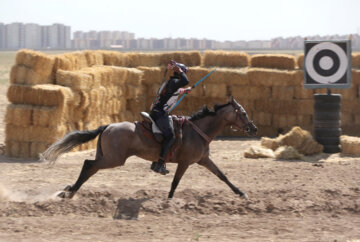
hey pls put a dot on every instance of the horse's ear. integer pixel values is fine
(231, 99)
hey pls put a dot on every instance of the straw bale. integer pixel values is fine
(37, 148)
(93, 57)
(115, 58)
(257, 92)
(151, 74)
(34, 133)
(301, 93)
(123, 75)
(70, 61)
(301, 140)
(268, 131)
(129, 116)
(136, 106)
(355, 76)
(215, 90)
(41, 95)
(350, 145)
(20, 115)
(17, 148)
(21, 74)
(302, 106)
(132, 91)
(355, 60)
(39, 62)
(300, 60)
(262, 118)
(347, 94)
(225, 58)
(259, 152)
(288, 153)
(47, 116)
(278, 61)
(229, 76)
(74, 79)
(145, 59)
(286, 120)
(283, 93)
(347, 119)
(272, 77)
(188, 58)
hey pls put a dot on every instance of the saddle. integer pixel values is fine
(149, 125)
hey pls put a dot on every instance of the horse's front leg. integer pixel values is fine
(210, 165)
(180, 170)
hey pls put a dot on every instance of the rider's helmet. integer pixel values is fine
(183, 67)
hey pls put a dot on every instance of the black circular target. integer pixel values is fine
(326, 63)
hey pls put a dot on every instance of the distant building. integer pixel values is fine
(2, 36)
(32, 36)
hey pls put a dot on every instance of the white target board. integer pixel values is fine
(327, 64)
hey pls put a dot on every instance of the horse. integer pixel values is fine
(118, 141)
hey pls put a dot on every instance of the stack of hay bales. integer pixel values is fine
(350, 145)
(225, 58)
(355, 60)
(278, 97)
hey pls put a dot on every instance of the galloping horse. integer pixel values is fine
(119, 141)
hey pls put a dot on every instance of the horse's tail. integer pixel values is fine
(68, 142)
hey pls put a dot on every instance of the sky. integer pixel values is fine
(217, 20)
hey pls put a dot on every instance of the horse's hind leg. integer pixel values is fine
(89, 168)
(210, 165)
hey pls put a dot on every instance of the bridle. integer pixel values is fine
(239, 114)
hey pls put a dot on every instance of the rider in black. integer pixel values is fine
(166, 98)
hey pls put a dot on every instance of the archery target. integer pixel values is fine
(326, 63)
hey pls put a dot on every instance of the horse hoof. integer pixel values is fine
(67, 188)
(245, 196)
(65, 194)
(61, 195)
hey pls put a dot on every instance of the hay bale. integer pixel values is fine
(21, 74)
(20, 115)
(115, 58)
(288, 153)
(48, 116)
(70, 61)
(93, 57)
(34, 133)
(123, 75)
(300, 60)
(350, 145)
(40, 63)
(302, 93)
(259, 152)
(298, 138)
(41, 95)
(229, 76)
(283, 93)
(225, 58)
(76, 80)
(277, 61)
(152, 74)
(262, 118)
(355, 60)
(215, 90)
(272, 77)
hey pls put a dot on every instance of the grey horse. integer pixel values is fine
(118, 141)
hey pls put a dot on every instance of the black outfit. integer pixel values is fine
(167, 97)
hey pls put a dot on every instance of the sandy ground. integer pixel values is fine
(313, 200)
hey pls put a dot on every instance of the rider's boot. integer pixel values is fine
(159, 167)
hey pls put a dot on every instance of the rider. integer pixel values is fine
(166, 98)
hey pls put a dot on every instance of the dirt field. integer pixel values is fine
(314, 200)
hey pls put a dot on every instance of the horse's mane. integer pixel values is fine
(205, 111)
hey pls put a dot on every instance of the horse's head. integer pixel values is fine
(239, 118)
